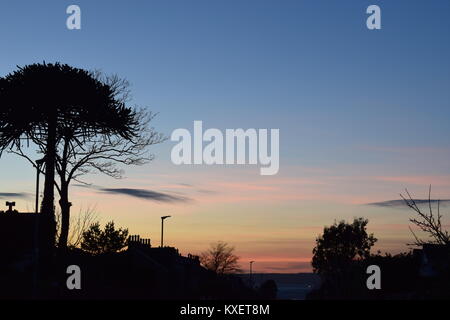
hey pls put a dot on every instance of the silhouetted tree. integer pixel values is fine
(400, 279)
(268, 290)
(427, 222)
(109, 240)
(340, 244)
(78, 119)
(337, 253)
(220, 258)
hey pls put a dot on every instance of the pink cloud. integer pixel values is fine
(407, 150)
(442, 180)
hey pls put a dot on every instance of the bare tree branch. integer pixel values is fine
(427, 222)
(79, 225)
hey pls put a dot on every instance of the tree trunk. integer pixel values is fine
(47, 206)
(65, 216)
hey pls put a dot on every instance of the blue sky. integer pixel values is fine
(312, 68)
(350, 103)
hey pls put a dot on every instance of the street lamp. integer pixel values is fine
(251, 280)
(162, 230)
(39, 164)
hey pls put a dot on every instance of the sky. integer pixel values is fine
(363, 114)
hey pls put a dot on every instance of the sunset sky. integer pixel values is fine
(363, 114)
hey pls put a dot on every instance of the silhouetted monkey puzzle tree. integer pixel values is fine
(78, 120)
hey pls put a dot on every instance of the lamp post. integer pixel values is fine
(162, 230)
(39, 164)
(251, 280)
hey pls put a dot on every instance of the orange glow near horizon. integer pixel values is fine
(272, 220)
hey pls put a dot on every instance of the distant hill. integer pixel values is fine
(291, 286)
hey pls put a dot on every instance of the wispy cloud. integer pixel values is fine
(146, 194)
(401, 203)
(282, 266)
(406, 150)
(441, 180)
(141, 193)
(185, 184)
(292, 267)
(81, 185)
(21, 195)
(206, 191)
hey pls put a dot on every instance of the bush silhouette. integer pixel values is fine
(109, 240)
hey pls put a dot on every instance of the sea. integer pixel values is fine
(291, 286)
